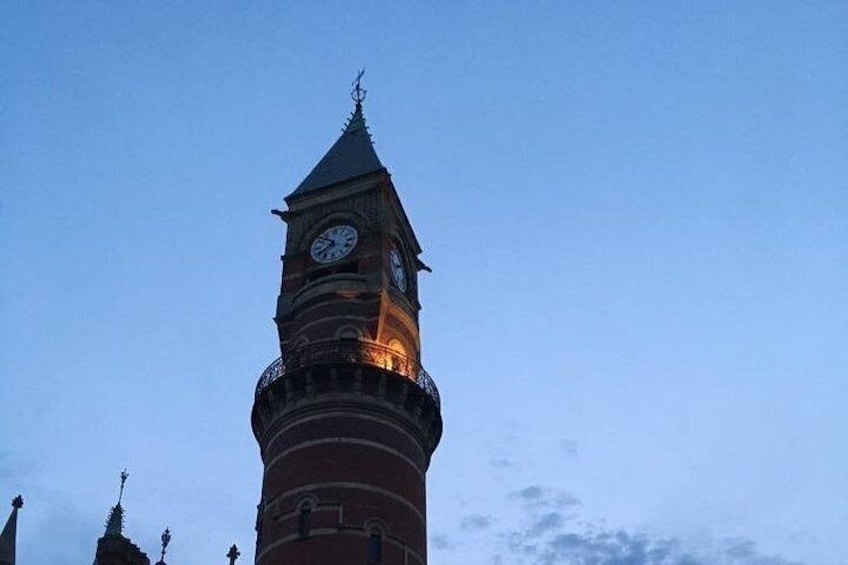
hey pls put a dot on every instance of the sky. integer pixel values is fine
(636, 217)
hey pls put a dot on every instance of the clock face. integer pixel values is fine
(334, 243)
(396, 265)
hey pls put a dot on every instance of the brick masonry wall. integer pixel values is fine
(354, 443)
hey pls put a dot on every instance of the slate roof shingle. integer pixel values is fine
(352, 155)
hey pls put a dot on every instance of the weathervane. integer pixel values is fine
(124, 476)
(357, 92)
(166, 539)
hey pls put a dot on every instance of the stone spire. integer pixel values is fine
(9, 533)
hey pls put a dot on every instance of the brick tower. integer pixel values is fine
(347, 419)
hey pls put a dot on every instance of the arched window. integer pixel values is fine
(398, 362)
(375, 547)
(397, 346)
(348, 333)
(304, 519)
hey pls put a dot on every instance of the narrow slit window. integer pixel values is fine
(375, 547)
(304, 519)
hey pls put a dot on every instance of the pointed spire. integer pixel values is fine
(9, 533)
(115, 521)
(351, 156)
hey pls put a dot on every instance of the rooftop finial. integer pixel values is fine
(18, 502)
(124, 477)
(166, 539)
(357, 92)
(115, 521)
(233, 554)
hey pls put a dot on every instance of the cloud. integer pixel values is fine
(441, 541)
(619, 547)
(569, 448)
(476, 522)
(546, 523)
(548, 534)
(542, 527)
(535, 497)
(502, 463)
(530, 494)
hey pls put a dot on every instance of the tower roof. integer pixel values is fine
(352, 155)
(9, 533)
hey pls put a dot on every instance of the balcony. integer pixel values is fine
(350, 351)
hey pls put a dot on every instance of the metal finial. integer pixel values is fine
(357, 92)
(166, 539)
(124, 477)
(233, 554)
(18, 502)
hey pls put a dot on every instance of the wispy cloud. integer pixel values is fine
(442, 542)
(535, 497)
(476, 522)
(531, 494)
(549, 533)
(569, 448)
(619, 547)
(501, 463)
(546, 523)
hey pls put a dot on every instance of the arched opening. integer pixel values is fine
(397, 358)
(304, 518)
(348, 333)
(375, 547)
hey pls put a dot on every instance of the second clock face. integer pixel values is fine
(334, 243)
(398, 272)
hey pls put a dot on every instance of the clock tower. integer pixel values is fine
(347, 418)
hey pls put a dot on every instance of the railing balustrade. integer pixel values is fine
(350, 351)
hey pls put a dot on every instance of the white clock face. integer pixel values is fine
(396, 265)
(334, 243)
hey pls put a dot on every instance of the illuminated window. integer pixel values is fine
(397, 362)
(396, 345)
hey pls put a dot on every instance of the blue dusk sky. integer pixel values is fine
(635, 212)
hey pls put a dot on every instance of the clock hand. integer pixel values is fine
(329, 243)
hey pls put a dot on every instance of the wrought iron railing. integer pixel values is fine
(350, 351)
